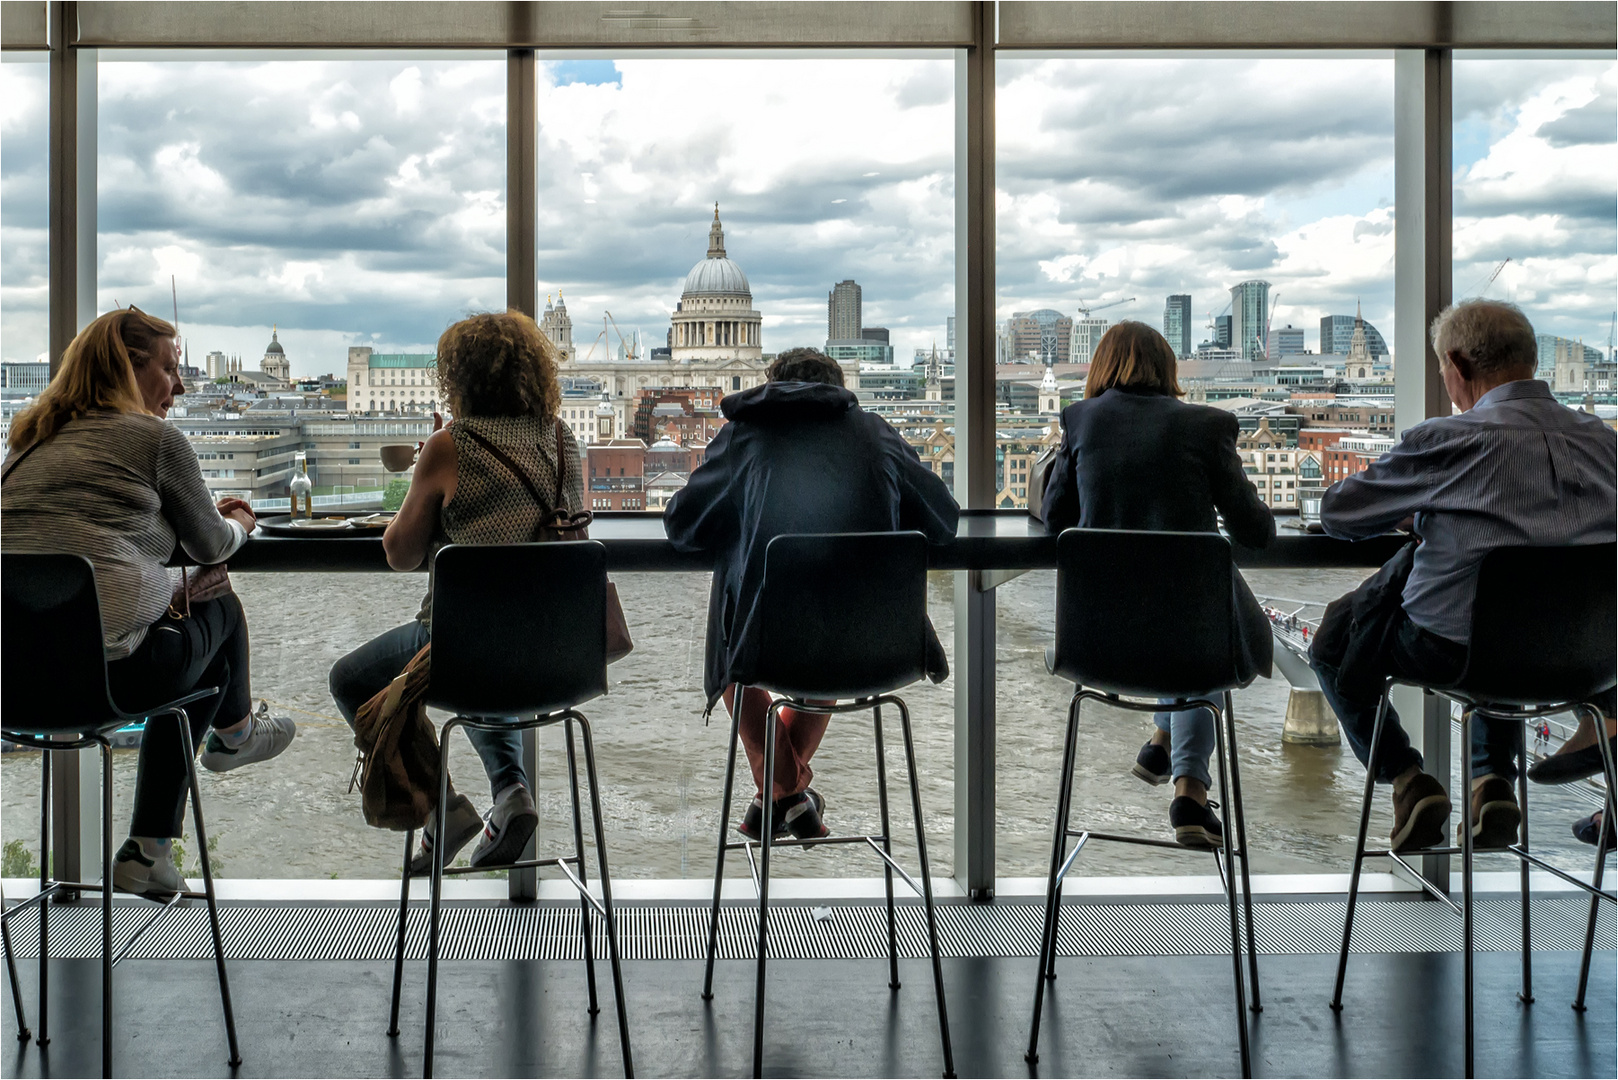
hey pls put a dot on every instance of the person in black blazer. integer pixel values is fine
(1133, 456)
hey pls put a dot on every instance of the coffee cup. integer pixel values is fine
(398, 457)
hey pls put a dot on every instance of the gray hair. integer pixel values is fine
(1496, 336)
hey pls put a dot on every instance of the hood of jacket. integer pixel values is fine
(788, 401)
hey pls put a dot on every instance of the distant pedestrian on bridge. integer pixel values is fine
(1515, 467)
(1134, 456)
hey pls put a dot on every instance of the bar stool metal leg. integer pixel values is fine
(584, 876)
(207, 883)
(1239, 811)
(1230, 899)
(439, 825)
(44, 1038)
(1047, 940)
(106, 913)
(887, 845)
(1526, 994)
(23, 1034)
(927, 891)
(766, 833)
(606, 890)
(1359, 845)
(399, 942)
(1608, 821)
(724, 827)
(1466, 875)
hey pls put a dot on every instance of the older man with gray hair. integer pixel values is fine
(1512, 467)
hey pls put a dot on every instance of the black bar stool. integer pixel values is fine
(518, 630)
(54, 696)
(844, 617)
(1115, 592)
(1543, 641)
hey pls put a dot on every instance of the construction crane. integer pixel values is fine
(1085, 311)
(606, 321)
(1501, 265)
(1275, 298)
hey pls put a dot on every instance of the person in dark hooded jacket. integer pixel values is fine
(798, 456)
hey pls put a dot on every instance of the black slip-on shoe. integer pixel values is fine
(1195, 824)
(1152, 764)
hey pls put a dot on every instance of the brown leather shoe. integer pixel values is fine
(1495, 815)
(1420, 812)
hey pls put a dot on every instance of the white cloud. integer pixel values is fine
(363, 200)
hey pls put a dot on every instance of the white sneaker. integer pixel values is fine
(154, 878)
(268, 737)
(461, 824)
(510, 824)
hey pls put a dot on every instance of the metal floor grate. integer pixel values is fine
(335, 932)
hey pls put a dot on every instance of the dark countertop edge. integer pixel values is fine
(1033, 551)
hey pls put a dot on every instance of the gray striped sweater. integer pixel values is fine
(121, 489)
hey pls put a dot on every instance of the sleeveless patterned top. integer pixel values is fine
(491, 506)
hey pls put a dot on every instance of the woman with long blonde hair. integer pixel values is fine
(94, 469)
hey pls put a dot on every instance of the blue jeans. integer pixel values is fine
(1413, 654)
(1191, 741)
(360, 675)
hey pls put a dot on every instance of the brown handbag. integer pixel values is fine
(561, 525)
(398, 759)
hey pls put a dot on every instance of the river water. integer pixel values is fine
(661, 768)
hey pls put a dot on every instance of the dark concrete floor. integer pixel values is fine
(1106, 1017)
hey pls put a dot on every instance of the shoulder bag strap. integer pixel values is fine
(561, 468)
(505, 459)
(17, 459)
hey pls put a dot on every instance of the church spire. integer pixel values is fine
(716, 236)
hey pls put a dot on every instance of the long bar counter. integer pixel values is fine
(985, 540)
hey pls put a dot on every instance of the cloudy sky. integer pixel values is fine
(362, 201)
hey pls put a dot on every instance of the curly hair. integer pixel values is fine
(804, 364)
(499, 364)
(97, 373)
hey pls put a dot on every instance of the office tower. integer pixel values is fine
(1041, 337)
(843, 312)
(1249, 318)
(1086, 336)
(1221, 336)
(1285, 341)
(1177, 323)
(876, 333)
(1336, 331)
(949, 333)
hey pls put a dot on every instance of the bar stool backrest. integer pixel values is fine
(1544, 625)
(1145, 613)
(53, 675)
(518, 629)
(843, 615)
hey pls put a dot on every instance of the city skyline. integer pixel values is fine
(371, 213)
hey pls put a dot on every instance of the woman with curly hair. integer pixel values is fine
(472, 485)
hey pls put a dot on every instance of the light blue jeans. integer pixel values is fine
(1191, 741)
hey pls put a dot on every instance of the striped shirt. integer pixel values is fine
(1517, 469)
(121, 489)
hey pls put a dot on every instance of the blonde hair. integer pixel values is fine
(499, 364)
(1132, 355)
(97, 375)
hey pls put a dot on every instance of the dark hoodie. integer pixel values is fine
(795, 458)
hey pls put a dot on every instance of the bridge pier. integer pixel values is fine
(1310, 720)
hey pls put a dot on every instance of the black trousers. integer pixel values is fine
(208, 648)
